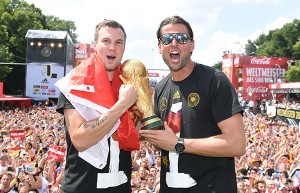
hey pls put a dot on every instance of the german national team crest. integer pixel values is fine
(163, 104)
(193, 99)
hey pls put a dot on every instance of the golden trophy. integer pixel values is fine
(134, 72)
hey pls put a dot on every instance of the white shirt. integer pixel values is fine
(251, 104)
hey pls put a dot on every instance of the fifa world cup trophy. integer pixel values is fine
(134, 72)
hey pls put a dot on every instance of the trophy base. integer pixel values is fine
(152, 123)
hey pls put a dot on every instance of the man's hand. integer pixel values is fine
(136, 116)
(164, 139)
(136, 111)
(127, 95)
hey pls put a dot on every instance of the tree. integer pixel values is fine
(296, 48)
(218, 65)
(5, 56)
(280, 42)
(293, 73)
(16, 17)
(250, 48)
(54, 23)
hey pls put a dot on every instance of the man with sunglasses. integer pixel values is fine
(203, 125)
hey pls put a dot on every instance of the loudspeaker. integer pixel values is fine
(49, 46)
(46, 50)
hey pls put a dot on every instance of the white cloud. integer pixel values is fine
(258, 1)
(268, 1)
(218, 42)
(221, 41)
(213, 15)
(276, 24)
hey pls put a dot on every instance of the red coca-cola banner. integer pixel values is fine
(256, 78)
(282, 62)
(153, 74)
(56, 152)
(17, 134)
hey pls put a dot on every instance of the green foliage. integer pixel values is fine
(54, 23)
(296, 47)
(283, 42)
(4, 56)
(218, 65)
(293, 73)
(4, 71)
(250, 48)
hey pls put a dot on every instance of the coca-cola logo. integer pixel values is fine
(260, 89)
(255, 60)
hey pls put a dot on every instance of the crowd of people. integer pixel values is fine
(27, 135)
(270, 165)
(271, 162)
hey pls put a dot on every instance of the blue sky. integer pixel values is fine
(218, 25)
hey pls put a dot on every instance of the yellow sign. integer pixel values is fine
(288, 113)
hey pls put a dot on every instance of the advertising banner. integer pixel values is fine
(82, 51)
(39, 84)
(258, 77)
(272, 61)
(288, 113)
(259, 72)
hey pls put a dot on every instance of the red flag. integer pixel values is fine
(28, 132)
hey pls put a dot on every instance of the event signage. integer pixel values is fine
(288, 113)
(17, 134)
(56, 152)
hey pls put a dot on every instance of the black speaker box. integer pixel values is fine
(45, 50)
(49, 46)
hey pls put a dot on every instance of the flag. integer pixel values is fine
(91, 93)
(17, 134)
(56, 152)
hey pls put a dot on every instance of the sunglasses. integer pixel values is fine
(181, 38)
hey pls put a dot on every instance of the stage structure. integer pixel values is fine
(49, 57)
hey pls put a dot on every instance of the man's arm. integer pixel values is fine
(85, 134)
(231, 143)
